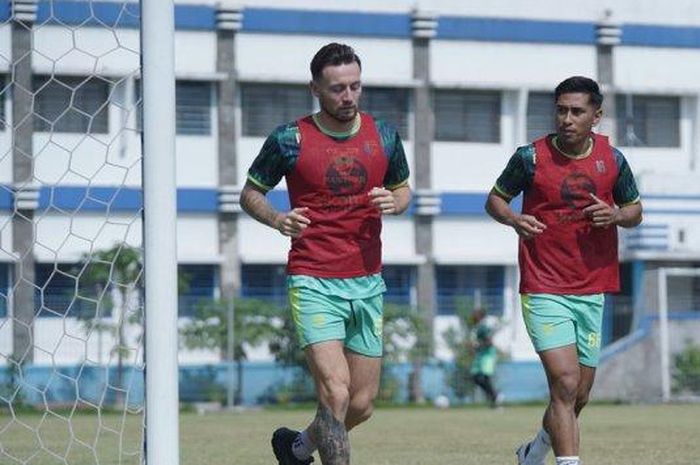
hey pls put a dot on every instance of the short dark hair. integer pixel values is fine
(333, 54)
(580, 84)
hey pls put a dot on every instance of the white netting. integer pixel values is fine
(71, 358)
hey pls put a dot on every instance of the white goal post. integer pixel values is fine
(663, 275)
(159, 229)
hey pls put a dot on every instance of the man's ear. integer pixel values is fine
(313, 86)
(597, 116)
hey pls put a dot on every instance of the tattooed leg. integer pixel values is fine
(331, 438)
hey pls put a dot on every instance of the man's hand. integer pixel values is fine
(601, 214)
(384, 200)
(293, 222)
(527, 226)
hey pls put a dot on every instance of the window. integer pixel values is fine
(266, 106)
(467, 116)
(399, 282)
(470, 286)
(648, 121)
(56, 294)
(4, 288)
(265, 282)
(198, 283)
(193, 107)
(71, 104)
(540, 115)
(389, 104)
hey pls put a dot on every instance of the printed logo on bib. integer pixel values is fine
(346, 175)
(576, 190)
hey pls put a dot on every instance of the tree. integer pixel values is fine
(255, 322)
(402, 329)
(111, 279)
(686, 376)
(459, 340)
(405, 334)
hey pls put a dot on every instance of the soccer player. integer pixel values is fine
(344, 170)
(485, 356)
(577, 189)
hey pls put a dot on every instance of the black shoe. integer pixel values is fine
(282, 440)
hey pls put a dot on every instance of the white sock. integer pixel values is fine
(539, 447)
(572, 460)
(303, 447)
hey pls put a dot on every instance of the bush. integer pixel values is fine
(686, 377)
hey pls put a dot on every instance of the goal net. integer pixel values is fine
(72, 363)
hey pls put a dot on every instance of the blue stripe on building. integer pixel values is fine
(660, 36)
(5, 198)
(106, 14)
(113, 199)
(515, 30)
(326, 23)
(364, 24)
(468, 203)
(5, 10)
(205, 200)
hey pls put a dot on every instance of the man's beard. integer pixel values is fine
(341, 114)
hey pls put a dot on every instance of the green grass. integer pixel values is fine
(611, 435)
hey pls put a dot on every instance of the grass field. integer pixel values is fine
(611, 435)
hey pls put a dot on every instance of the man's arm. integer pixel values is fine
(527, 226)
(254, 202)
(603, 215)
(391, 202)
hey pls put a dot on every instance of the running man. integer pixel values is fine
(485, 356)
(577, 189)
(344, 170)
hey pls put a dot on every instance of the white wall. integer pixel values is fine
(85, 50)
(473, 240)
(657, 70)
(498, 65)
(5, 46)
(261, 244)
(398, 241)
(115, 52)
(5, 236)
(260, 57)
(6, 154)
(64, 238)
(468, 166)
(197, 238)
(197, 160)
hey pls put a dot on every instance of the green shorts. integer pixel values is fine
(559, 320)
(322, 317)
(484, 362)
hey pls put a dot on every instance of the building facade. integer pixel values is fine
(466, 84)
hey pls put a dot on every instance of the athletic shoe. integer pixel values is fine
(282, 440)
(523, 454)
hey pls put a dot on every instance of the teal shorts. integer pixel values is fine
(554, 321)
(320, 317)
(484, 362)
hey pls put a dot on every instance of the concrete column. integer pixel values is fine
(229, 21)
(424, 28)
(608, 35)
(25, 191)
